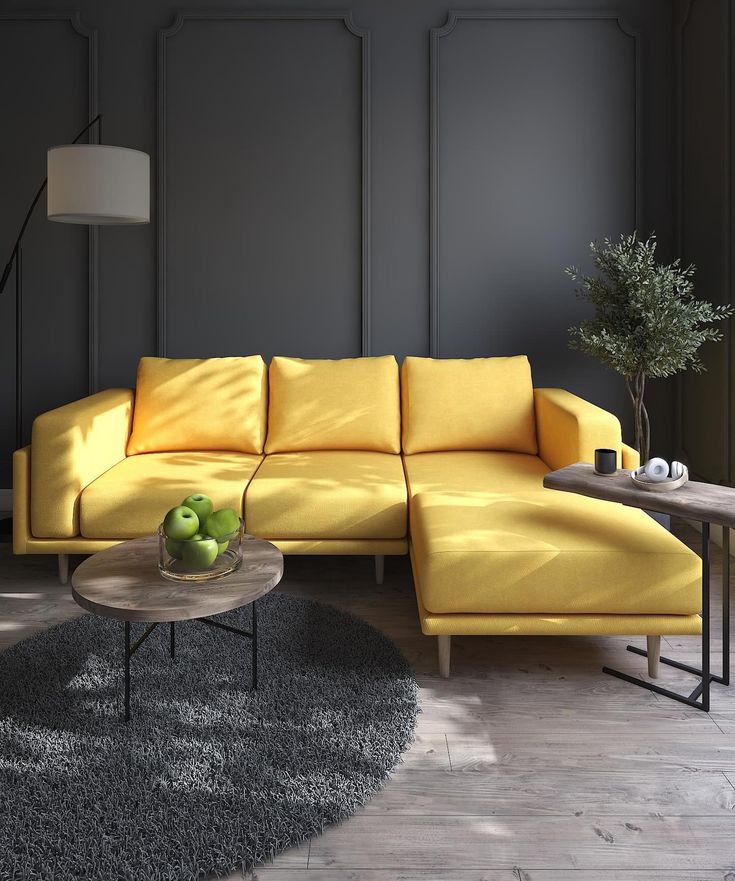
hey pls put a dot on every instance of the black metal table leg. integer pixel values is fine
(725, 605)
(127, 671)
(700, 696)
(251, 634)
(130, 650)
(705, 618)
(255, 644)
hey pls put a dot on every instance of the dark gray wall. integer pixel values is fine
(390, 181)
(704, 31)
(44, 88)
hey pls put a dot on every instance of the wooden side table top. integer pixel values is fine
(706, 502)
(124, 582)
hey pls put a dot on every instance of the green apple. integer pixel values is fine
(222, 524)
(180, 523)
(199, 553)
(175, 548)
(221, 545)
(200, 504)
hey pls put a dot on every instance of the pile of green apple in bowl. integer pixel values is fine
(197, 543)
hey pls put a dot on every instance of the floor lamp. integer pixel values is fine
(94, 184)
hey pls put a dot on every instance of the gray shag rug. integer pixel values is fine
(208, 777)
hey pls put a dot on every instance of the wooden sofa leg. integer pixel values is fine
(379, 568)
(63, 568)
(445, 652)
(653, 644)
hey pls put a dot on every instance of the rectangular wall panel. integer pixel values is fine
(704, 227)
(535, 137)
(263, 187)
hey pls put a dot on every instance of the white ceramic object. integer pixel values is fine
(677, 469)
(643, 481)
(656, 469)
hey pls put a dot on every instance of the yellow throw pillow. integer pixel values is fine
(199, 404)
(474, 404)
(350, 404)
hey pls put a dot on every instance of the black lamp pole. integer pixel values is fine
(16, 257)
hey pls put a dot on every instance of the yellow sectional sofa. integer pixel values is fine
(444, 459)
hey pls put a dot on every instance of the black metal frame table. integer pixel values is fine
(123, 582)
(707, 503)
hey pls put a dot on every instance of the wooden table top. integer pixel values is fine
(124, 582)
(706, 502)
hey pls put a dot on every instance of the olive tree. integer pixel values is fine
(647, 323)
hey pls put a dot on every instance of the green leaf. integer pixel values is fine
(647, 322)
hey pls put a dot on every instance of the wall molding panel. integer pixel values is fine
(89, 34)
(439, 34)
(715, 467)
(335, 179)
(683, 12)
(165, 36)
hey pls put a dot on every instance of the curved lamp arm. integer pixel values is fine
(14, 253)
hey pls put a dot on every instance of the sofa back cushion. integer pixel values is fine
(200, 404)
(468, 404)
(350, 404)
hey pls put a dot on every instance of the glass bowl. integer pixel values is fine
(173, 562)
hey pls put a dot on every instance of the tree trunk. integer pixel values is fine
(641, 425)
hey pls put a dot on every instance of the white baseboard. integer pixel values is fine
(6, 499)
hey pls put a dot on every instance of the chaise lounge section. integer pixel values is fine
(493, 552)
(445, 460)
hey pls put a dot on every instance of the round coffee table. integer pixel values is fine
(123, 582)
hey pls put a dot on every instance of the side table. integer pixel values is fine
(708, 503)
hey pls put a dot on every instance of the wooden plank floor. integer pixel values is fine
(529, 764)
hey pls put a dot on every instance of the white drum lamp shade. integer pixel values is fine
(98, 184)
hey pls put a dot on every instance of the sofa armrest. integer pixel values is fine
(70, 447)
(21, 499)
(631, 458)
(569, 429)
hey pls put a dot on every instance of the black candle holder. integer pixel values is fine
(606, 462)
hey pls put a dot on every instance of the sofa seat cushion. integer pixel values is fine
(473, 472)
(547, 552)
(336, 494)
(131, 499)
